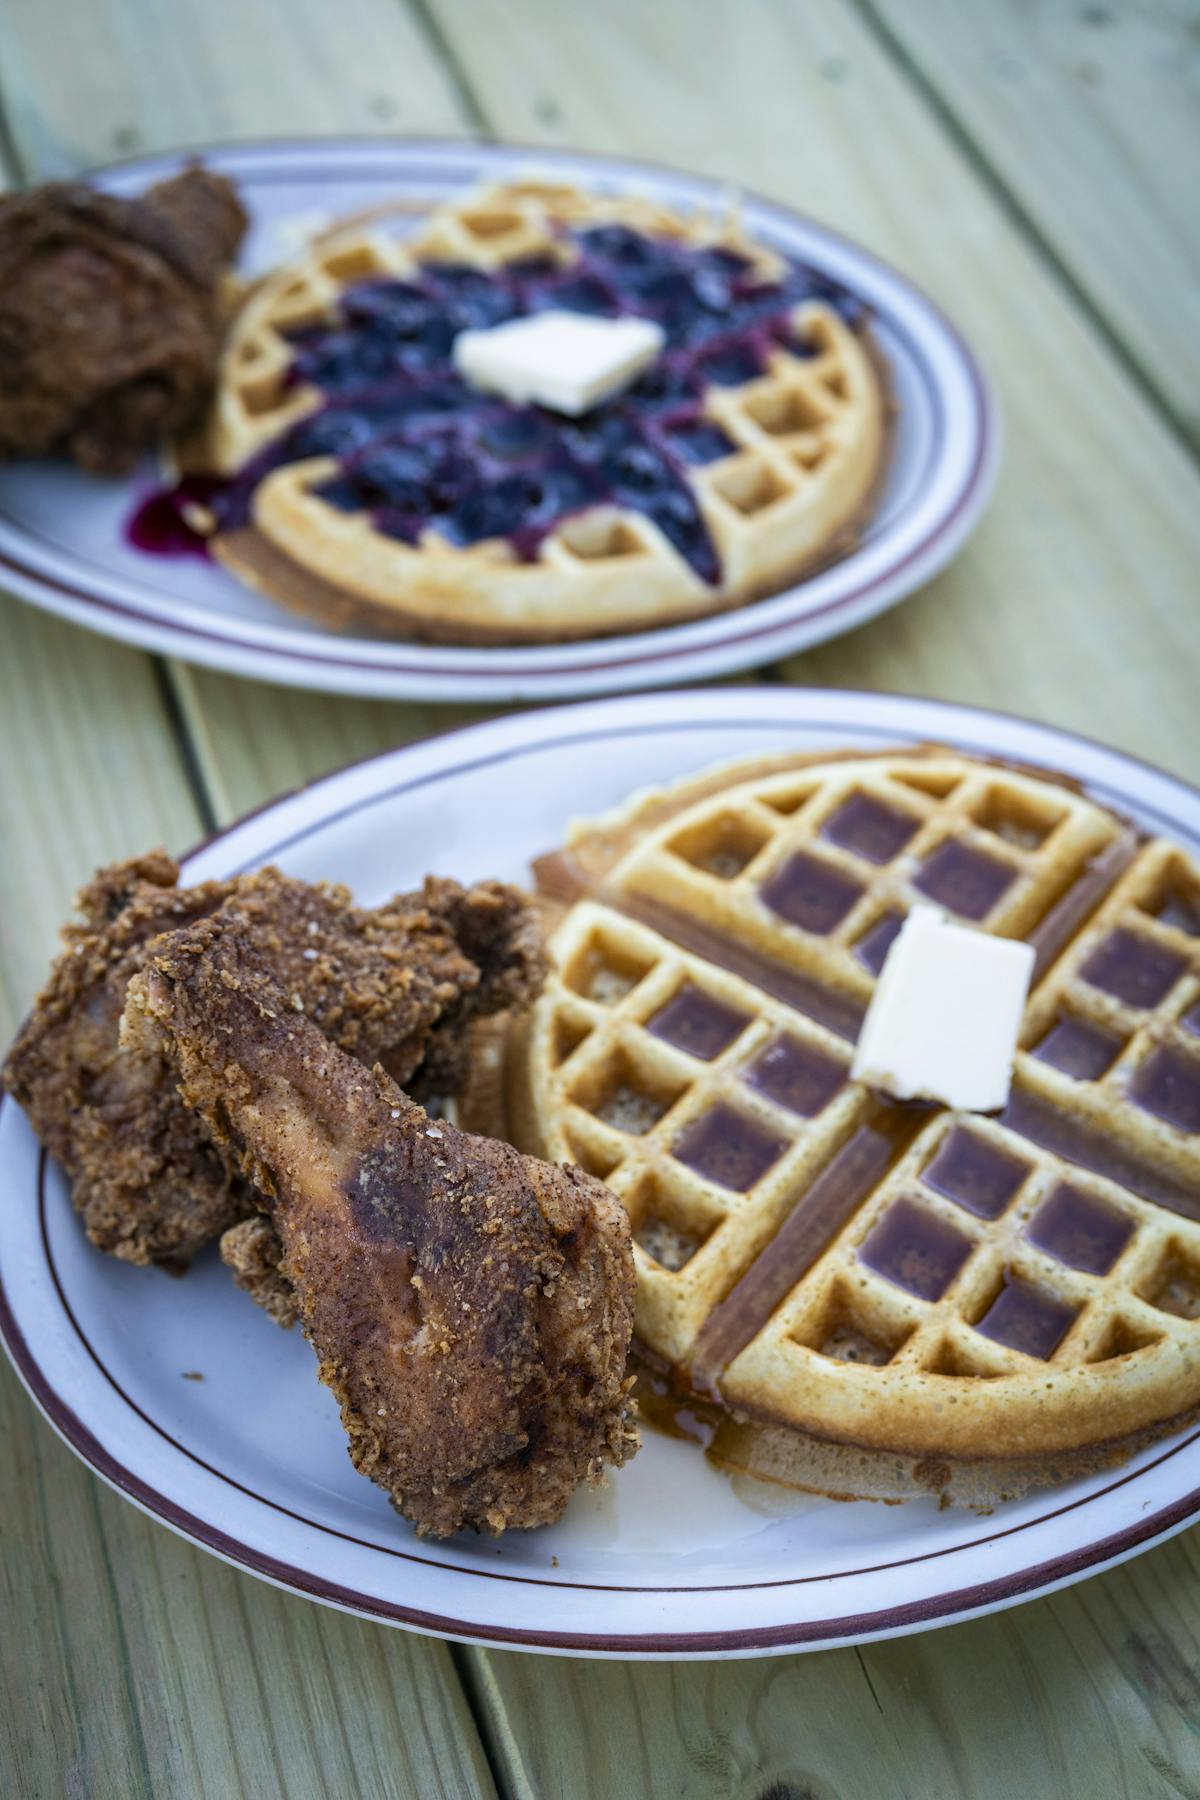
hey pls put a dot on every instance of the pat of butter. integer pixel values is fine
(944, 1017)
(564, 360)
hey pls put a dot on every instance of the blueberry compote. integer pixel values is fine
(417, 447)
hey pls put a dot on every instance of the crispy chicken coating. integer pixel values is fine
(397, 984)
(251, 1250)
(470, 1307)
(109, 326)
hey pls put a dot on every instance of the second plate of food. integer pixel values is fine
(814, 442)
(996, 1317)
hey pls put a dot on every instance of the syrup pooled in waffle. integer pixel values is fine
(706, 486)
(886, 1277)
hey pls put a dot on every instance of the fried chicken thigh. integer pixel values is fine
(471, 1307)
(110, 309)
(396, 984)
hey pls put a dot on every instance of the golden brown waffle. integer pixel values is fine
(912, 1290)
(810, 436)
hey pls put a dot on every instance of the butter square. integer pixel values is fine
(944, 1017)
(567, 361)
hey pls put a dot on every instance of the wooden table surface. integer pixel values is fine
(1035, 167)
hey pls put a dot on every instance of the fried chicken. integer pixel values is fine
(109, 326)
(397, 984)
(253, 1254)
(470, 1307)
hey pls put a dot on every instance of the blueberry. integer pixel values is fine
(343, 492)
(621, 245)
(599, 433)
(450, 478)
(713, 291)
(566, 487)
(303, 335)
(407, 462)
(679, 520)
(476, 516)
(731, 364)
(341, 361)
(392, 475)
(637, 471)
(335, 432)
(680, 304)
(531, 268)
(671, 289)
(700, 442)
(762, 299)
(399, 525)
(449, 394)
(386, 409)
(769, 306)
(521, 493)
(428, 345)
(510, 434)
(663, 385)
(395, 307)
(409, 399)
(457, 278)
(479, 308)
(725, 262)
(580, 293)
(831, 293)
(494, 511)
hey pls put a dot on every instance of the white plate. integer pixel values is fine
(62, 541)
(251, 1461)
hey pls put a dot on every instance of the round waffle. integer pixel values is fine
(905, 1296)
(781, 483)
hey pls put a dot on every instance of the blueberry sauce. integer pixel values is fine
(165, 523)
(417, 447)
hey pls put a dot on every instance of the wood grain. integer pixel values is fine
(134, 1665)
(1085, 564)
(1087, 116)
(1091, 1693)
(253, 741)
(90, 773)
(84, 85)
(89, 770)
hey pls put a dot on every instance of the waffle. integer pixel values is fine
(789, 491)
(884, 1298)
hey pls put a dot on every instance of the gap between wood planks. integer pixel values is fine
(166, 677)
(489, 1715)
(10, 162)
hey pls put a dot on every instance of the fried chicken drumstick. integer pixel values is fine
(471, 1307)
(395, 984)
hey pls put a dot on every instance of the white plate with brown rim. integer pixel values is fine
(187, 1399)
(64, 542)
